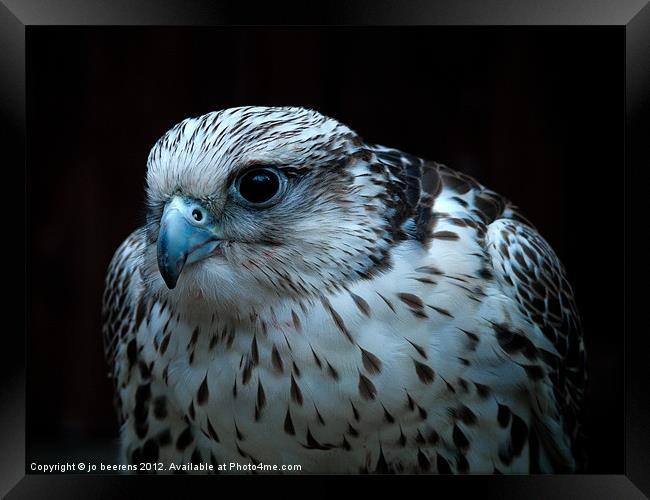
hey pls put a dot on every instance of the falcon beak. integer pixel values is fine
(188, 234)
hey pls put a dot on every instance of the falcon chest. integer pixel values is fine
(350, 375)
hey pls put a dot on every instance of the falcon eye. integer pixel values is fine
(260, 186)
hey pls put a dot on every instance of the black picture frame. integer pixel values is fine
(18, 16)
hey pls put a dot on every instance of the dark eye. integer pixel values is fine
(259, 186)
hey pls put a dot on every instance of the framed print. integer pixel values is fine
(361, 240)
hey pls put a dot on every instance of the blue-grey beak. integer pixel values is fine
(188, 233)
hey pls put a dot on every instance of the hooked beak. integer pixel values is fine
(188, 234)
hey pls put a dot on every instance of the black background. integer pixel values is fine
(534, 113)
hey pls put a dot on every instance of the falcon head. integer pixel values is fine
(252, 204)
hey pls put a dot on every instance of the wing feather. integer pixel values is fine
(531, 274)
(120, 312)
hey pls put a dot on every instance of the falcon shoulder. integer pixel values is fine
(550, 347)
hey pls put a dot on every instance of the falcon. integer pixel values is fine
(299, 297)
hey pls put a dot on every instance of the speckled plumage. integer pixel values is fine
(388, 314)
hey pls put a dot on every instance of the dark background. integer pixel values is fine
(534, 113)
